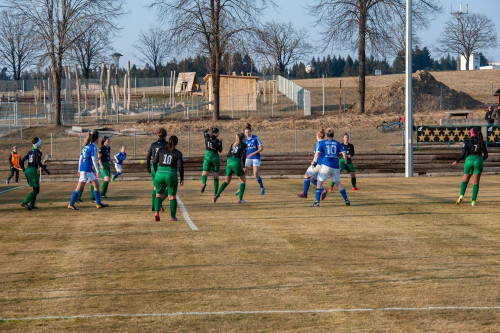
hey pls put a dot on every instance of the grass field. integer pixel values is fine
(402, 258)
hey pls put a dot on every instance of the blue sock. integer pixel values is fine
(318, 194)
(307, 183)
(315, 182)
(259, 180)
(97, 196)
(116, 175)
(74, 197)
(344, 194)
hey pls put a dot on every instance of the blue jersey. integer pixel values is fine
(330, 150)
(252, 145)
(320, 157)
(120, 157)
(88, 152)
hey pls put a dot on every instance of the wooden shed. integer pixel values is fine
(238, 93)
(187, 83)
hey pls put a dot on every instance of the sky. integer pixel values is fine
(140, 18)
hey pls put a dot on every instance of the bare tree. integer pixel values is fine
(466, 34)
(280, 44)
(55, 25)
(397, 42)
(153, 47)
(212, 25)
(18, 48)
(91, 48)
(356, 23)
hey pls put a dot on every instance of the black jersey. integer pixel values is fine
(153, 150)
(470, 148)
(349, 150)
(211, 142)
(105, 152)
(34, 158)
(238, 151)
(172, 159)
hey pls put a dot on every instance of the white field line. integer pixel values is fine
(257, 312)
(186, 216)
(11, 189)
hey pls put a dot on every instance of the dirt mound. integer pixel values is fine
(428, 94)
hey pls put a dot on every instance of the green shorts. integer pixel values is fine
(105, 172)
(166, 177)
(32, 177)
(211, 161)
(350, 166)
(153, 173)
(473, 165)
(234, 166)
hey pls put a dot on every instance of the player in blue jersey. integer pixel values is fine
(119, 158)
(329, 149)
(88, 159)
(254, 148)
(312, 172)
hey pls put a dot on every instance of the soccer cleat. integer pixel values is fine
(302, 195)
(460, 198)
(113, 179)
(347, 203)
(174, 219)
(72, 207)
(316, 204)
(323, 194)
(237, 192)
(92, 201)
(263, 191)
(242, 201)
(79, 201)
(157, 217)
(25, 205)
(161, 209)
(214, 199)
(203, 188)
(330, 189)
(355, 189)
(101, 206)
(104, 196)
(473, 203)
(34, 207)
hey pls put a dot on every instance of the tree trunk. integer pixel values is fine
(56, 103)
(362, 58)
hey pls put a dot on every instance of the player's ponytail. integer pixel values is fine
(239, 138)
(215, 130)
(248, 126)
(172, 142)
(91, 138)
(480, 141)
(104, 138)
(162, 133)
(329, 132)
(321, 133)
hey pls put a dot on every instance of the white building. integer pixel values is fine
(492, 65)
(474, 63)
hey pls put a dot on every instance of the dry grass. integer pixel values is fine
(403, 243)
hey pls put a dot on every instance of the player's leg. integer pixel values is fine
(105, 174)
(204, 173)
(222, 187)
(77, 192)
(478, 170)
(17, 176)
(340, 186)
(468, 170)
(242, 179)
(92, 195)
(352, 171)
(160, 186)
(97, 193)
(215, 172)
(172, 184)
(34, 182)
(256, 166)
(36, 190)
(341, 167)
(11, 175)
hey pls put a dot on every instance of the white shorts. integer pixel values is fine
(313, 171)
(118, 168)
(252, 161)
(86, 177)
(326, 172)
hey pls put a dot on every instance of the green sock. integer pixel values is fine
(29, 197)
(242, 190)
(104, 188)
(203, 180)
(157, 204)
(221, 189)
(80, 195)
(33, 199)
(92, 198)
(173, 207)
(216, 185)
(463, 187)
(353, 181)
(153, 196)
(475, 189)
(331, 184)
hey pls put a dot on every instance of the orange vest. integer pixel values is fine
(15, 158)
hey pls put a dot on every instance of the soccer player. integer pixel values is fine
(213, 146)
(330, 165)
(34, 158)
(235, 160)
(475, 152)
(153, 150)
(119, 158)
(88, 159)
(103, 157)
(312, 172)
(14, 159)
(349, 150)
(254, 147)
(165, 164)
